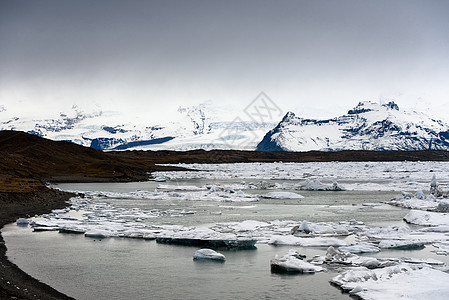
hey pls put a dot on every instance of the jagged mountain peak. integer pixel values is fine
(367, 126)
(288, 116)
(367, 106)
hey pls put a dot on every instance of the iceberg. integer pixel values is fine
(305, 242)
(320, 229)
(234, 243)
(335, 256)
(208, 254)
(291, 263)
(22, 222)
(426, 218)
(316, 185)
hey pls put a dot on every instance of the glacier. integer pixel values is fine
(203, 126)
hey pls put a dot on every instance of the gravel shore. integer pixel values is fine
(15, 283)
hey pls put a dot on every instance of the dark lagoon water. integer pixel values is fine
(123, 268)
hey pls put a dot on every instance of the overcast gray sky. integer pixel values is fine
(313, 57)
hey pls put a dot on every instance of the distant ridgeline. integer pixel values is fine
(368, 126)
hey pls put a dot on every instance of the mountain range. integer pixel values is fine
(368, 126)
(194, 127)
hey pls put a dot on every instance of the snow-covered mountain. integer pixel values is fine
(203, 126)
(368, 126)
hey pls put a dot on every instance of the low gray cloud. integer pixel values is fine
(144, 53)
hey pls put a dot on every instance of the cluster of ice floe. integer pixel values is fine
(435, 200)
(187, 193)
(306, 185)
(355, 175)
(371, 277)
(401, 281)
(293, 262)
(430, 210)
(362, 275)
(101, 220)
(352, 247)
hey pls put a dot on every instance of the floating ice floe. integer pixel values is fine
(388, 232)
(188, 193)
(293, 263)
(337, 257)
(441, 248)
(415, 201)
(244, 226)
(98, 233)
(402, 237)
(205, 237)
(369, 204)
(208, 254)
(291, 240)
(161, 178)
(436, 200)
(427, 218)
(316, 185)
(402, 281)
(217, 243)
(385, 176)
(401, 245)
(282, 195)
(181, 187)
(321, 229)
(22, 222)
(360, 248)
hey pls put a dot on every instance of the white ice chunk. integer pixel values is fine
(290, 263)
(22, 221)
(426, 218)
(208, 254)
(406, 245)
(98, 233)
(282, 195)
(249, 225)
(305, 242)
(360, 248)
(180, 187)
(441, 248)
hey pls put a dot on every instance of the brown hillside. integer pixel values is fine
(26, 160)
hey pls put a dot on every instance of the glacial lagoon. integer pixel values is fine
(127, 263)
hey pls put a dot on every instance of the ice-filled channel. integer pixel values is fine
(116, 256)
